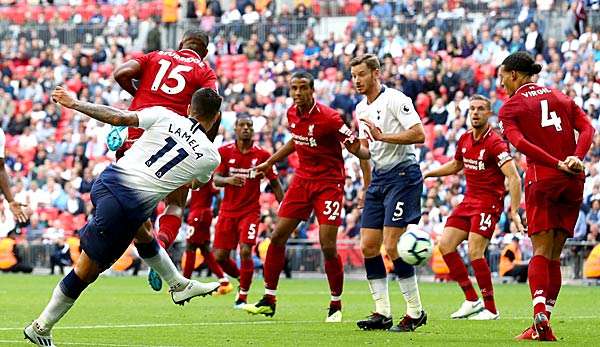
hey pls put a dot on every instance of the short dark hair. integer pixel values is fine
(482, 98)
(196, 40)
(243, 116)
(304, 75)
(206, 103)
(370, 60)
(523, 62)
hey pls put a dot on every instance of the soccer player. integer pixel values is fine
(317, 132)
(198, 237)
(541, 122)
(15, 208)
(390, 126)
(239, 215)
(172, 152)
(486, 161)
(168, 79)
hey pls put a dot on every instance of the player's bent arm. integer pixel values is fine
(450, 168)
(277, 189)
(358, 149)
(281, 153)
(509, 169)
(586, 133)
(416, 134)
(126, 73)
(107, 114)
(220, 181)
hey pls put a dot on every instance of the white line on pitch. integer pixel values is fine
(86, 344)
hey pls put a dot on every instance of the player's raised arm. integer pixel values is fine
(126, 73)
(450, 168)
(105, 114)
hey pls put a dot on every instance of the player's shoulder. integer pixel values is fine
(465, 136)
(227, 148)
(515, 104)
(326, 110)
(258, 149)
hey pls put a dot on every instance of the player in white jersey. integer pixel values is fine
(390, 125)
(15, 207)
(172, 152)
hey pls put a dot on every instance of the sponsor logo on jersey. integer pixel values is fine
(405, 109)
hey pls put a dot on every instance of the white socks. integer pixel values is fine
(57, 307)
(162, 264)
(410, 291)
(379, 291)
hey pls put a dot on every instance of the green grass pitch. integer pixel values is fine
(124, 311)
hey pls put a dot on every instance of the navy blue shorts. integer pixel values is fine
(394, 198)
(112, 229)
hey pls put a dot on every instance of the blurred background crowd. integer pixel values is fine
(436, 52)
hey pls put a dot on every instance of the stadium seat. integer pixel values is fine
(65, 12)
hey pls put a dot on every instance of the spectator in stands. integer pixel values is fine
(511, 263)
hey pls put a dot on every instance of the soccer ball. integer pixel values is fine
(415, 247)
(116, 137)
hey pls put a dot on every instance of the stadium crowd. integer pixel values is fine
(54, 155)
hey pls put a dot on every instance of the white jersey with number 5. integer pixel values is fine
(172, 151)
(392, 112)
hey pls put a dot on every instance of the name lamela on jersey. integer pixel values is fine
(187, 137)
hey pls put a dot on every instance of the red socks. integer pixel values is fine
(168, 228)
(539, 282)
(230, 267)
(554, 284)
(246, 272)
(274, 263)
(188, 266)
(484, 280)
(458, 272)
(334, 268)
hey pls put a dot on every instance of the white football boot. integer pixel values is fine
(193, 289)
(485, 315)
(467, 308)
(37, 337)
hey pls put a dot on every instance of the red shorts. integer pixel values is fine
(233, 230)
(199, 222)
(480, 221)
(304, 196)
(553, 204)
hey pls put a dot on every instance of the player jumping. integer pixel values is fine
(172, 152)
(486, 161)
(390, 125)
(317, 132)
(541, 122)
(168, 79)
(239, 215)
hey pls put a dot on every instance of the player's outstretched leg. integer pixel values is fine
(182, 289)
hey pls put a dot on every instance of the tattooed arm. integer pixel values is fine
(105, 114)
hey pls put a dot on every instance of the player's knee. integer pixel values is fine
(392, 251)
(369, 249)
(329, 252)
(220, 255)
(475, 253)
(246, 252)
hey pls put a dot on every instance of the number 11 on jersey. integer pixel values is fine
(169, 165)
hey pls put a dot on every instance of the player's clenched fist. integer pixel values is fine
(574, 163)
(63, 97)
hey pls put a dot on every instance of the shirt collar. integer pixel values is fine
(526, 84)
(312, 110)
(191, 51)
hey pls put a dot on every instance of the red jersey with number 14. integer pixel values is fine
(169, 79)
(245, 199)
(482, 161)
(317, 137)
(540, 123)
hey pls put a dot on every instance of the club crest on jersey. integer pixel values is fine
(311, 130)
(293, 125)
(231, 161)
(481, 153)
(254, 161)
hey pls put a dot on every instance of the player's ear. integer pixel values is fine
(189, 109)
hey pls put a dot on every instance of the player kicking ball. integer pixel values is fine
(390, 126)
(239, 214)
(317, 132)
(484, 157)
(541, 122)
(172, 152)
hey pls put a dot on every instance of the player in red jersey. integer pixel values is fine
(168, 79)
(541, 122)
(199, 221)
(239, 215)
(486, 161)
(317, 132)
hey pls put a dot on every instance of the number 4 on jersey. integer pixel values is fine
(553, 120)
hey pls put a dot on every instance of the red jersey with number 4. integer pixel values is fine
(169, 79)
(482, 161)
(317, 136)
(245, 199)
(540, 122)
(202, 198)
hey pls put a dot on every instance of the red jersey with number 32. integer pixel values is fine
(169, 79)
(482, 161)
(546, 118)
(245, 199)
(317, 138)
